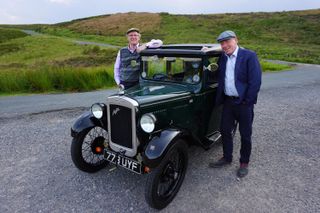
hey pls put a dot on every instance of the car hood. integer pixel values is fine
(149, 92)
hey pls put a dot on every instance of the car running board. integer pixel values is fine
(208, 141)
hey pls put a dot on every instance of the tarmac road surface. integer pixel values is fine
(37, 175)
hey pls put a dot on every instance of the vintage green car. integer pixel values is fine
(148, 128)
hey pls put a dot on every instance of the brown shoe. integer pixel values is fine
(243, 170)
(220, 163)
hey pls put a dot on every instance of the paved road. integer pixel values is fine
(23, 105)
(37, 174)
(18, 105)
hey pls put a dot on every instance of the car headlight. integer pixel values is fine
(97, 110)
(148, 122)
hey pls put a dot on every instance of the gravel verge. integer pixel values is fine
(37, 174)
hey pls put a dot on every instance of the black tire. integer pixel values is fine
(171, 171)
(83, 152)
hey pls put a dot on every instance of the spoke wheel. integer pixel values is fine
(87, 149)
(164, 181)
(170, 176)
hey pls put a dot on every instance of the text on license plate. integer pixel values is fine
(122, 161)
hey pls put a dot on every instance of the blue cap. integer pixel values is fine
(226, 35)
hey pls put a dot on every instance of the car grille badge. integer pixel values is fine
(115, 111)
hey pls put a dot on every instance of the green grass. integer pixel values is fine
(70, 79)
(54, 63)
(37, 49)
(272, 67)
(289, 36)
(283, 36)
(67, 33)
(55, 79)
(50, 49)
(293, 53)
(8, 34)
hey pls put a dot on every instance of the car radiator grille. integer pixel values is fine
(121, 125)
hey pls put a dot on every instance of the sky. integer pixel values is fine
(55, 11)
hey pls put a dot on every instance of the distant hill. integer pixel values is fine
(292, 36)
(52, 60)
(116, 24)
(295, 26)
(280, 35)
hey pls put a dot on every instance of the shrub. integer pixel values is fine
(268, 66)
(7, 34)
(53, 78)
(9, 48)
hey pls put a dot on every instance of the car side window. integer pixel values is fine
(185, 70)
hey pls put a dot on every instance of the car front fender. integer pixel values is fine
(159, 146)
(85, 121)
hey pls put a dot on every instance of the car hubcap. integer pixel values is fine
(93, 146)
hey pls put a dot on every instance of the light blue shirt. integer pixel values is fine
(229, 82)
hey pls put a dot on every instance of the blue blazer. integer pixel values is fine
(247, 77)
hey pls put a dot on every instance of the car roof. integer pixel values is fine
(183, 50)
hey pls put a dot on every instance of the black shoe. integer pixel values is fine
(243, 170)
(220, 163)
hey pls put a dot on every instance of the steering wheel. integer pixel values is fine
(159, 76)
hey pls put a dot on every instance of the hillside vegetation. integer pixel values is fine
(8, 34)
(42, 63)
(117, 24)
(290, 36)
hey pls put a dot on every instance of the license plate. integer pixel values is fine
(122, 161)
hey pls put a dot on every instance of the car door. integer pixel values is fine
(212, 110)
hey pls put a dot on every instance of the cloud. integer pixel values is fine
(8, 18)
(53, 11)
(65, 2)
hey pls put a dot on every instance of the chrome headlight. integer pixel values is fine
(97, 110)
(148, 122)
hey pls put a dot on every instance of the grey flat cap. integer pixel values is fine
(226, 35)
(133, 30)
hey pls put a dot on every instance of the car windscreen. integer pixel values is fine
(184, 70)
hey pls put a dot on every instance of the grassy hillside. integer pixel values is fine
(8, 34)
(296, 26)
(280, 35)
(45, 63)
(53, 62)
(117, 24)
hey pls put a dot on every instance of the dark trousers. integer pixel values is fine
(128, 84)
(243, 114)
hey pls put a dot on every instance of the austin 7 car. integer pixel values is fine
(148, 128)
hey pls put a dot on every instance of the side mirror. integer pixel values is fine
(213, 67)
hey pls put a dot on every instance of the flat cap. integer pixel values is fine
(133, 30)
(226, 35)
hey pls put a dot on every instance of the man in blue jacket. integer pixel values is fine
(239, 84)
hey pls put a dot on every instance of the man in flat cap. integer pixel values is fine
(239, 83)
(127, 67)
